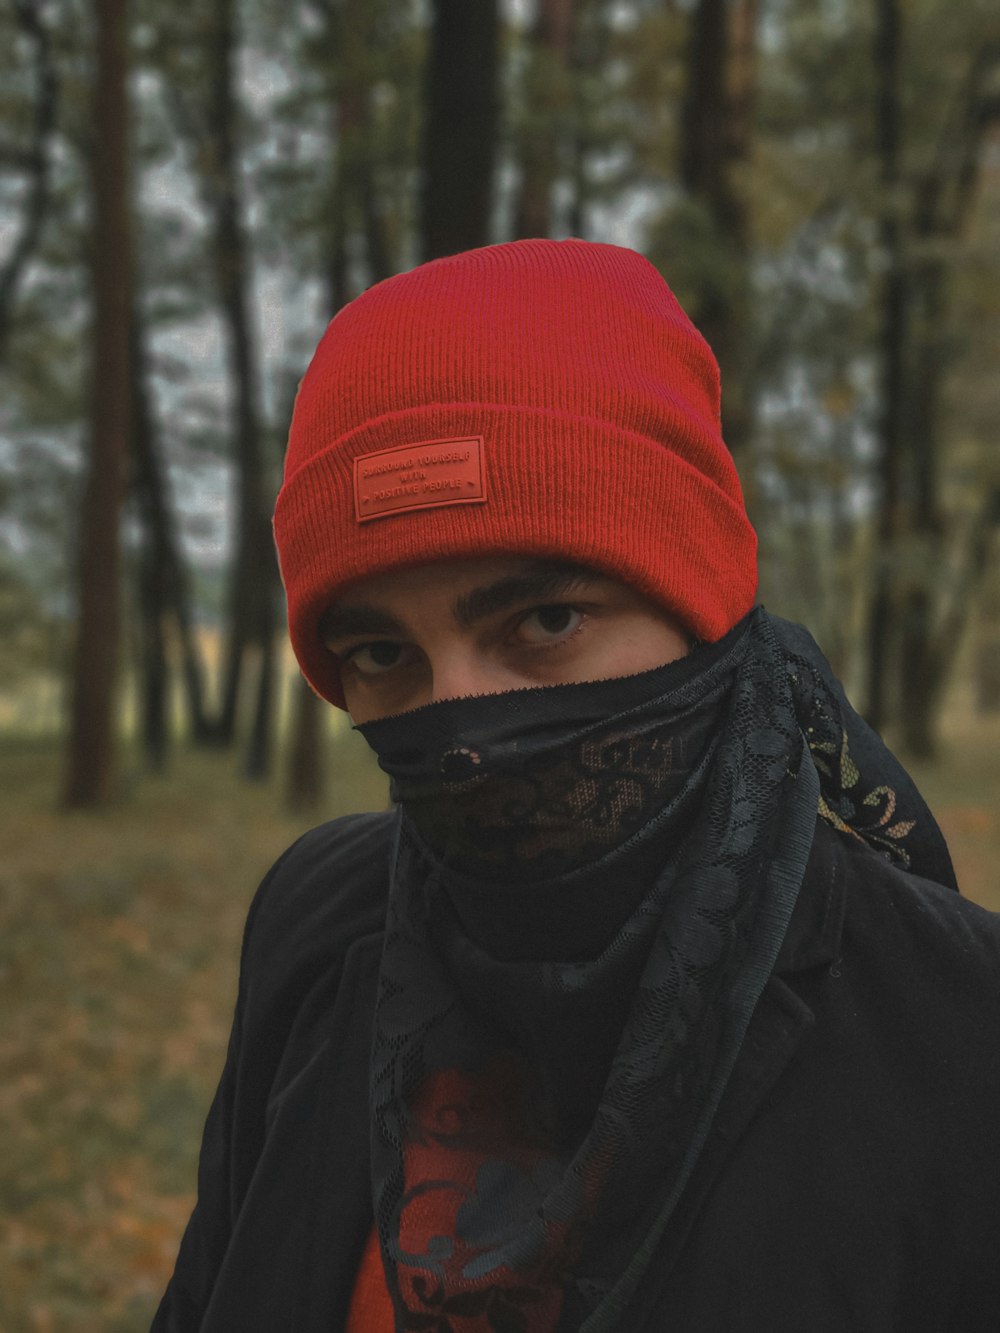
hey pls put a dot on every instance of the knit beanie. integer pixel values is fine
(539, 398)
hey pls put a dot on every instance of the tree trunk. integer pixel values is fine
(260, 745)
(164, 585)
(987, 669)
(936, 655)
(716, 140)
(987, 652)
(705, 112)
(306, 784)
(353, 201)
(943, 205)
(893, 338)
(915, 365)
(351, 196)
(90, 760)
(254, 573)
(544, 103)
(589, 55)
(460, 127)
(29, 20)
(920, 668)
(154, 672)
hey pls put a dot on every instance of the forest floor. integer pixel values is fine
(119, 947)
(119, 943)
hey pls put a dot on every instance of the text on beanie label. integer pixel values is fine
(424, 475)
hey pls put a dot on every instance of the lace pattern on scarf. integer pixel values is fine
(567, 810)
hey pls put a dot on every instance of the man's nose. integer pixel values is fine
(459, 675)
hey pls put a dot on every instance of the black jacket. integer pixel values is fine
(850, 1184)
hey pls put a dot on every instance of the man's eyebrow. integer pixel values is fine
(344, 622)
(539, 585)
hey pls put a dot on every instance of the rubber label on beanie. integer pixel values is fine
(419, 476)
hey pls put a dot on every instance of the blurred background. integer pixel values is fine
(188, 193)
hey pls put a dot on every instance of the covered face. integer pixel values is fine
(538, 400)
(454, 628)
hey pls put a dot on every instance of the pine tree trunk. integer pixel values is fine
(460, 127)
(251, 575)
(260, 745)
(987, 651)
(154, 671)
(355, 200)
(545, 100)
(28, 17)
(90, 761)
(588, 55)
(987, 669)
(916, 319)
(164, 585)
(306, 785)
(716, 140)
(882, 623)
(920, 676)
(921, 665)
(936, 655)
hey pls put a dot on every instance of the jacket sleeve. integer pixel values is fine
(207, 1234)
(324, 893)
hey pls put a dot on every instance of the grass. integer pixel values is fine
(119, 939)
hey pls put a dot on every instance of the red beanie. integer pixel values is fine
(541, 398)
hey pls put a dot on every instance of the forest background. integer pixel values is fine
(188, 193)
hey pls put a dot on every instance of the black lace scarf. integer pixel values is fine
(591, 886)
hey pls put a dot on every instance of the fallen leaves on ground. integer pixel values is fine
(119, 947)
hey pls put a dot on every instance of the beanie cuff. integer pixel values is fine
(663, 514)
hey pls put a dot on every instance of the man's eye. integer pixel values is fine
(370, 659)
(549, 624)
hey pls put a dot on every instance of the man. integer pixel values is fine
(654, 1005)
